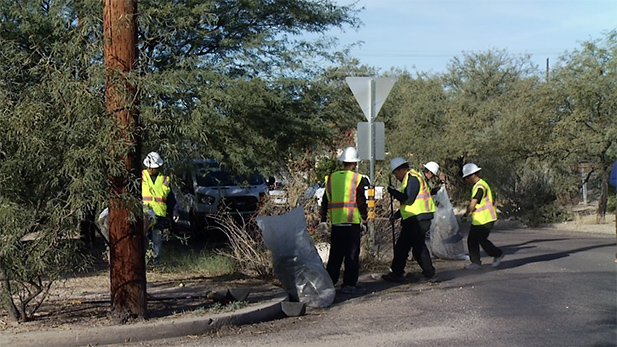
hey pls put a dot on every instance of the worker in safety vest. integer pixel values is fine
(344, 203)
(157, 199)
(416, 210)
(483, 217)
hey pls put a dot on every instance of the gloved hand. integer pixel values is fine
(395, 216)
(465, 219)
(323, 227)
(391, 189)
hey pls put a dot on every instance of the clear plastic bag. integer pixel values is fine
(295, 259)
(446, 242)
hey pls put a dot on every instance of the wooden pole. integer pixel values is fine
(127, 248)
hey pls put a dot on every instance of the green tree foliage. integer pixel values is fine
(217, 78)
(52, 149)
(235, 72)
(585, 105)
(526, 133)
(479, 111)
(415, 112)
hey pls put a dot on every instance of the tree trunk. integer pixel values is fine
(602, 204)
(127, 250)
(6, 299)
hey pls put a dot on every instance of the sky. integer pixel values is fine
(424, 35)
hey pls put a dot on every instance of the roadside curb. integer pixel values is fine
(147, 331)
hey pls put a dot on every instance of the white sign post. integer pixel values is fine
(370, 93)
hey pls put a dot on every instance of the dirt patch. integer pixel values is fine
(587, 223)
(84, 302)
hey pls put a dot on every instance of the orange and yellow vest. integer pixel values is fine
(154, 194)
(341, 187)
(424, 201)
(485, 209)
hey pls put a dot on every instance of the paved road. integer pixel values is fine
(552, 289)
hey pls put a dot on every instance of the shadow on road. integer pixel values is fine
(509, 264)
(373, 283)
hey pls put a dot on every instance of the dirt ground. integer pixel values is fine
(84, 301)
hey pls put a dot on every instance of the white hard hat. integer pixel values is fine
(432, 167)
(396, 162)
(153, 160)
(469, 169)
(350, 155)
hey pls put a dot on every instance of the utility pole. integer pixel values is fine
(126, 236)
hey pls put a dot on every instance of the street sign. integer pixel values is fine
(364, 140)
(370, 93)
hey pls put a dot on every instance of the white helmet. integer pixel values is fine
(432, 167)
(396, 162)
(469, 169)
(153, 160)
(350, 155)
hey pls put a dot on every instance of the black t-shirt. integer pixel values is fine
(479, 194)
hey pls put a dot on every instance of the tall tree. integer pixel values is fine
(585, 108)
(51, 151)
(222, 73)
(210, 72)
(126, 236)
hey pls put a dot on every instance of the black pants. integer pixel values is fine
(413, 235)
(478, 236)
(345, 245)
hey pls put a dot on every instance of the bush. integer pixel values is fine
(246, 246)
(549, 213)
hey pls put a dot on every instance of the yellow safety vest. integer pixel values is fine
(485, 209)
(154, 194)
(341, 187)
(424, 201)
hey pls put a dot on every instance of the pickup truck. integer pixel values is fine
(209, 189)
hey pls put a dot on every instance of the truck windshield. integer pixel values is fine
(211, 175)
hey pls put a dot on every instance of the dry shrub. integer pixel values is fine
(246, 245)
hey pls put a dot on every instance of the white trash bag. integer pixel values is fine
(446, 242)
(295, 259)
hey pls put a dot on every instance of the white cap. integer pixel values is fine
(432, 167)
(153, 160)
(396, 162)
(350, 155)
(469, 169)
